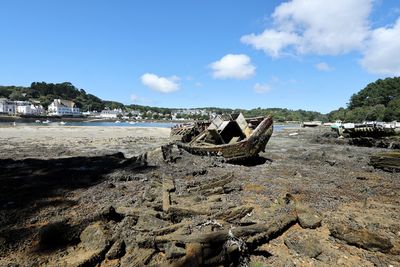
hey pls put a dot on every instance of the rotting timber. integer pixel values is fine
(231, 136)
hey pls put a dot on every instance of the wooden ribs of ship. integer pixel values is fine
(231, 136)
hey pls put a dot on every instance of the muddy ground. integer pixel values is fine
(307, 201)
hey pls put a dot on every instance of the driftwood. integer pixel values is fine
(169, 229)
(167, 187)
(268, 230)
(233, 214)
(138, 257)
(214, 191)
(387, 161)
(218, 182)
(185, 211)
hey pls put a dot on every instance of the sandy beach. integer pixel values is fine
(309, 200)
(20, 142)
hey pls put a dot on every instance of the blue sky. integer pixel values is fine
(298, 54)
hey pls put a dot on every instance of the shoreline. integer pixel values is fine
(22, 119)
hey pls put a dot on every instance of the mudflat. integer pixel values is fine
(309, 200)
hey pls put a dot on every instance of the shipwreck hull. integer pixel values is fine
(247, 148)
(370, 132)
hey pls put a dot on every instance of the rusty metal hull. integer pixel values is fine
(246, 148)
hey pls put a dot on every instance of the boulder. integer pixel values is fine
(307, 217)
(361, 238)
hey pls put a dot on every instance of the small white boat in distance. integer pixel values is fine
(14, 124)
(117, 122)
(37, 121)
(311, 123)
(46, 121)
(132, 122)
(63, 122)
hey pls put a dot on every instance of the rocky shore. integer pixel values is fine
(309, 200)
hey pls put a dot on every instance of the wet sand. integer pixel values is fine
(20, 142)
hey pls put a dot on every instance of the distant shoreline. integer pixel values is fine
(7, 118)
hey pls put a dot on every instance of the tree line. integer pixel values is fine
(47, 92)
(378, 101)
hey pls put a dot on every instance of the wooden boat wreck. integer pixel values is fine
(231, 136)
(366, 129)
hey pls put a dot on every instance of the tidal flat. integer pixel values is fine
(93, 196)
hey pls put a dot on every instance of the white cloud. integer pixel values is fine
(233, 67)
(271, 41)
(381, 53)
(322, 66)
(160, 84)
(329, 27)
(262, 88)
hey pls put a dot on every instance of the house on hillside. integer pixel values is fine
(30, 109)
(7, 106)
(111, 114)
(61, 107)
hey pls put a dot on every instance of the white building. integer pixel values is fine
(30, 109)
(91, 114)
(110, 114)
(61, 107)
(7, 106)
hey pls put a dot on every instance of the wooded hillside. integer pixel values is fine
(378, 101)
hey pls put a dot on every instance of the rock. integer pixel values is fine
(149, 222)
(95, 237)
(361, 238)
(308, 218)
(111, 215)
(304, 243)
(172, 251)
(95, 240)
(116, 251)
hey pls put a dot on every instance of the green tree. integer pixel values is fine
(378, 92)
(392, 113)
